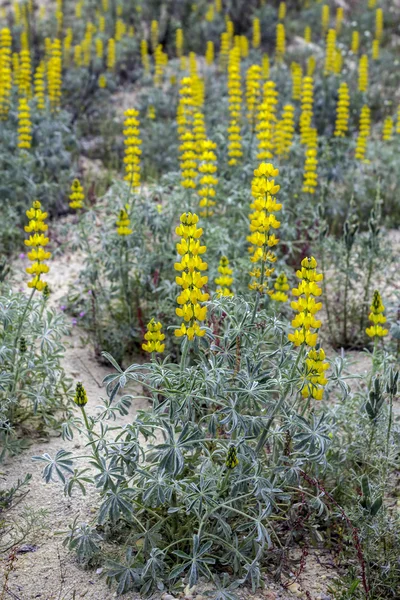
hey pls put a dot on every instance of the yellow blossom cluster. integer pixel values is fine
(280, 43)
(363, 73)
(37, 241)
(253, 91)
(5, 72)
(266, 121)
(154, 337)
(297, 80)
(376, 317)
(133, 152)
(224, 280)
(208, 180)
(123, 223)
(24, 125)
(281, 286)
(284, 131)
(187, 147)
(190, 278)
(235, 151)
(363, 133)
(77, 196)
(263, 224)
(342, 111)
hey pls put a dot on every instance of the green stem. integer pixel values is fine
(23, 318)
(89, 429)
(346, 291)
(389, 426)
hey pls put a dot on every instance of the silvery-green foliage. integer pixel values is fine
(34, 388)
(163, 482)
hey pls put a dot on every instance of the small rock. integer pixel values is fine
(269, 595)
(325, 597)
(167, 597)
(26, 548)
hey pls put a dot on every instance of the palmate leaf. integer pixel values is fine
(128, 575)
(171, 451)
(117, 502)
(59, 465)
(83, 539)
(197, 563)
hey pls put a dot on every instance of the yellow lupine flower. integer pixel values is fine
(376, 317)
(190, 279)
(123, 223)
(306, 307)
(154, 338)
(77, 196)
(37, 241)
(224, 280)
(342, 111)
(133, 152)
(281, 286)
(262, 224)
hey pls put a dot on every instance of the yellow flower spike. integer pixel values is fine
(209, 53)
(281, 286)
(363, 74)
(310, 175)
(307, 34)
(24, 125)
(282, 11)
(314, 379)
(208, 180)
(154, 338)
(339, 19)
(54, 75)
(224, 280)
(5, 72)
(160, 62)
(179, 42)
(80, 397)
(154, 34)
(377, 318)
(256, 40)
(262, 224)
(280, 43)
(235, 150)
(190, 279)
(253, 91)
(325, 17)
(378, 24)
(306, 116)
(232, 460)
(297, 80)
(77, 196)
(123, 223)
(133, 152)
(185, 121)
(387, 133)
(284, 131)
(363, 134)
(37, 241)
(330, 53)
(306, 307)
(266, 122)
(375, 49)
(111, 56)
(355, 42)
(342, 111)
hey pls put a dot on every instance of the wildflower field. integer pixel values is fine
(199, 299)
